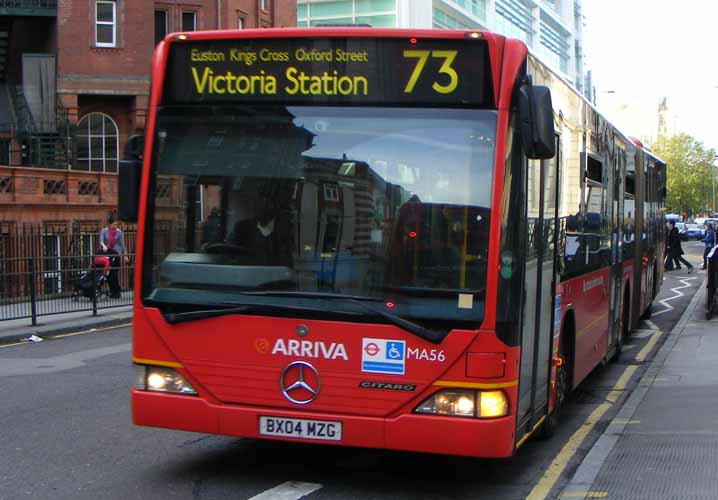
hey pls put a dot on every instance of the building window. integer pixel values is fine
(331, 192)
(4, 151)
(97, 143)
(161, 27)
(105, 24)
(554, 48)
(240, 23)
(264, 4)
(189, 21)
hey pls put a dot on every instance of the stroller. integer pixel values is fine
(94, 281)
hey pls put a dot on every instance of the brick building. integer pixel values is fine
(74, 85)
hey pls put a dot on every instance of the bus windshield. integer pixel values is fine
(390, 204)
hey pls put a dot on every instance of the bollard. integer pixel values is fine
(94, 288)
(33, 292)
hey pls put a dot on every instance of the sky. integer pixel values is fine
(643, 50)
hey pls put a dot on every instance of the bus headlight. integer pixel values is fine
(457, 403)
(465, 403)
(161, 379)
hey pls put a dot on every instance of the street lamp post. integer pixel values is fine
(713, 172)
(713, 184)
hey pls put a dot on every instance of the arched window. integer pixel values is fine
(97, 143)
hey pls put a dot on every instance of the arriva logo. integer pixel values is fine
(309, 349)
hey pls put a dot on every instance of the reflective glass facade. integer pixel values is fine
(376, 13)
(552, 28)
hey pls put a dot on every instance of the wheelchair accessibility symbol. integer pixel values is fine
(395, 351)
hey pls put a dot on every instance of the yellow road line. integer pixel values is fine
(585, 494)
(541, 490)
(92, 330)
(641, 356)
(621, 383)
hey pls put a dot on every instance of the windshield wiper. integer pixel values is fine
(433, 336)
(181, 317)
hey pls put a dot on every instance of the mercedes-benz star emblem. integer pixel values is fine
(299, 382)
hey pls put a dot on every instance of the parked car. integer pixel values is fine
(682, 230)
(693, 232)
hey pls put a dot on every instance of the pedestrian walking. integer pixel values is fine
(710, 241)
(667, 258)
(112, 243)
(675, 248)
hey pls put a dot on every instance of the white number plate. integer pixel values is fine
(300, 428)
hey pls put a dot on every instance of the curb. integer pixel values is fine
(13, 338)
(586, 474)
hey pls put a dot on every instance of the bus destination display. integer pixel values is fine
(379, 71)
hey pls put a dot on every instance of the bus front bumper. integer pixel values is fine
(407, 432)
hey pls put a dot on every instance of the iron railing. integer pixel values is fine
(52, 285)
(41, 268)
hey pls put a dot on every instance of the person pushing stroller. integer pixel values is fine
(95, 280)
(113, 243)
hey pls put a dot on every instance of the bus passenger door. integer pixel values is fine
(539, 289)
(616, 275)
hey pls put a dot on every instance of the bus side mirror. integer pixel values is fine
(129, 176)
(536, 115)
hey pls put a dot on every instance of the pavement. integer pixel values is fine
(663, 443)
(16, 330)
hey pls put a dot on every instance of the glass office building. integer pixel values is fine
(552, 28)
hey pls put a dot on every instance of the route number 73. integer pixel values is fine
(422, 56)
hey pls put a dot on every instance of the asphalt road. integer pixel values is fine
(66, 434)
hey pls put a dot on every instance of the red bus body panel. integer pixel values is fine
(237, 378)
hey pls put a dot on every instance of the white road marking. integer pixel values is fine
(291, 490)
(677, 293)
(651, 324)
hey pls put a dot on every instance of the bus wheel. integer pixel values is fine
(550, 423)
(623, 327)
(647, 313)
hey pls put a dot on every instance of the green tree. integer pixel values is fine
(689, 166)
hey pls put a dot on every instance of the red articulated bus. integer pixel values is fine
(412, 240)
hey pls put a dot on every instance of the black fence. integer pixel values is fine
(45, 270)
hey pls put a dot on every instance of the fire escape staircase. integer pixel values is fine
(43, 146)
